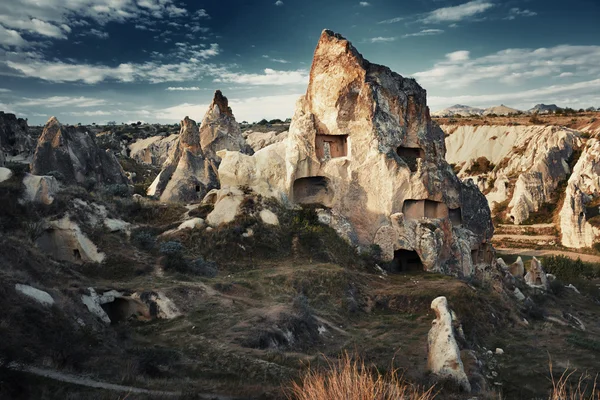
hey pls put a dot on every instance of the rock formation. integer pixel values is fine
(536, 277)
(188, 174)
(526, 162)
(39, 189)
(443, 354)
(582, 200)
(38, 295)
(14, 137)
(362, 144)
(64, 240)
(73, 153)
(154, 150)
(220, 131)
(260, 140)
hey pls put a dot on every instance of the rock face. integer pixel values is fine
(64, 240)
(14, 137)
(38, 295)
(73, 152)
(536, 277)
(528, 162)
(260, 140)
(443, 356)
(154, 150)
(581, 200)
(187, 174)
(220, 131)
(39, 189)
(362, 143)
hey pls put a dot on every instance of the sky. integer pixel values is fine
(87, 61)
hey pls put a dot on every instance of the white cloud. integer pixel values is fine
(96, 113)
(2, 90)
(392, 20)
(277, 60)
(381, 39)
(201, 13)
(279, 3)
(9, 37)
(578, 94)
(424, 32)
(183, 89)
(364, 4)
(62, 101)
(97, 33)
(270, 77)
(517, 12)
(566, 74)
(511, 66)
(457, 13)
(33, 26)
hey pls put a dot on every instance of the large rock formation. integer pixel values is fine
(220, 131)
(154, 150)
(582, 200)
(73, 152)
(14, 138)
(362, 144)
(443, 354)
(528, 162)
(188, 174)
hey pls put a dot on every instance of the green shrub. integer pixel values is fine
(144, 239)
(481, 166)
(570, 270)
(117, 190)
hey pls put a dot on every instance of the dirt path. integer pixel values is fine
(533, 226)
(89, 382)
(542, 253)
(525, 238)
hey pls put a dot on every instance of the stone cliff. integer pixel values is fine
(362, 144)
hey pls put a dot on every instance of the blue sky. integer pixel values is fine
(160, 60)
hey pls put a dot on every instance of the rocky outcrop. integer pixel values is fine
(39, 189)
(64, 240)
(443, 354)
(582, 200)
(188, 174)
(14, 137)
(220, 131)
(526, 163)
(362, 143)
(260, 140)
(5, 174)
(154, 150)
(38, 295)
(73, 152)
(536, 277)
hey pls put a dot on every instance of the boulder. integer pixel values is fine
(72, 152)
(38, 295)
(187, 175)
(260, 140)
(362, 143)
(14, 138)
(517, 269)
(443, 354)
(269, 217)
(536, 277)
(5, 174)
(220, 131)
(64, 240)
(39, 189)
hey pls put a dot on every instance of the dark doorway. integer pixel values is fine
(331, 146)
(76, 254)
(197, 188)
(455, 216)
(119, 310)
(406, 261)
(410, 156)
(312, 190)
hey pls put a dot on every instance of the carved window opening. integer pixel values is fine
(76, 254)
(197, 188)
(406, 261)
(455, 216)
(591, 212)
(331, 146)
(410, 156)
(313, 190)
(538, 281)
(415, 209)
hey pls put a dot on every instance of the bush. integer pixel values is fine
(144, 239)
(117, 190)
(204, 268)
(569, 270)
(481, 166)
(171, 248)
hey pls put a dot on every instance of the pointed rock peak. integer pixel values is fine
(222, 102)
(53, 121)
(187, 122)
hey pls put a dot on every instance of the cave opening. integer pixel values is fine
(312, 190)
(119, 310)
(406, 261)
(331, 146)
(410, 156)
(455, 216)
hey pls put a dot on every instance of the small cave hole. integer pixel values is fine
(197, 188)
(331, 146)
(410, 156)
(119, 310)
(406, 261)
(312, 190)
(76, 254)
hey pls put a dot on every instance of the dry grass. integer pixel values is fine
(581, 389)
(350, 379)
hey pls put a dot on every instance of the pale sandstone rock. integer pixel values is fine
(518, 294)
(74, 153)
(159, 305)
(443, 355)
(220, 131)
(94, 305)
(582, 188)
(536, 277)
(36, 294)
(64, 240)
(39, 189)
(5, 174)
(117, 225)
(362, 143)
(226, 208)
(260, 140)
(154, 150)
(187, 175)
(269, 217)
(192, 223)
(517, 269)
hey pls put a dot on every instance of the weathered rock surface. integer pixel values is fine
(14, 137)
(517, 269)
(220, 131)
(536, 277)
(529, 161)
(64, 240)
(443, 357)
(362, 143)
(39, 189)
(187, 174)
(5, 174)
(36, 294)
(581, 200)
(73, 152)
(260, 140)
(154, 150)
